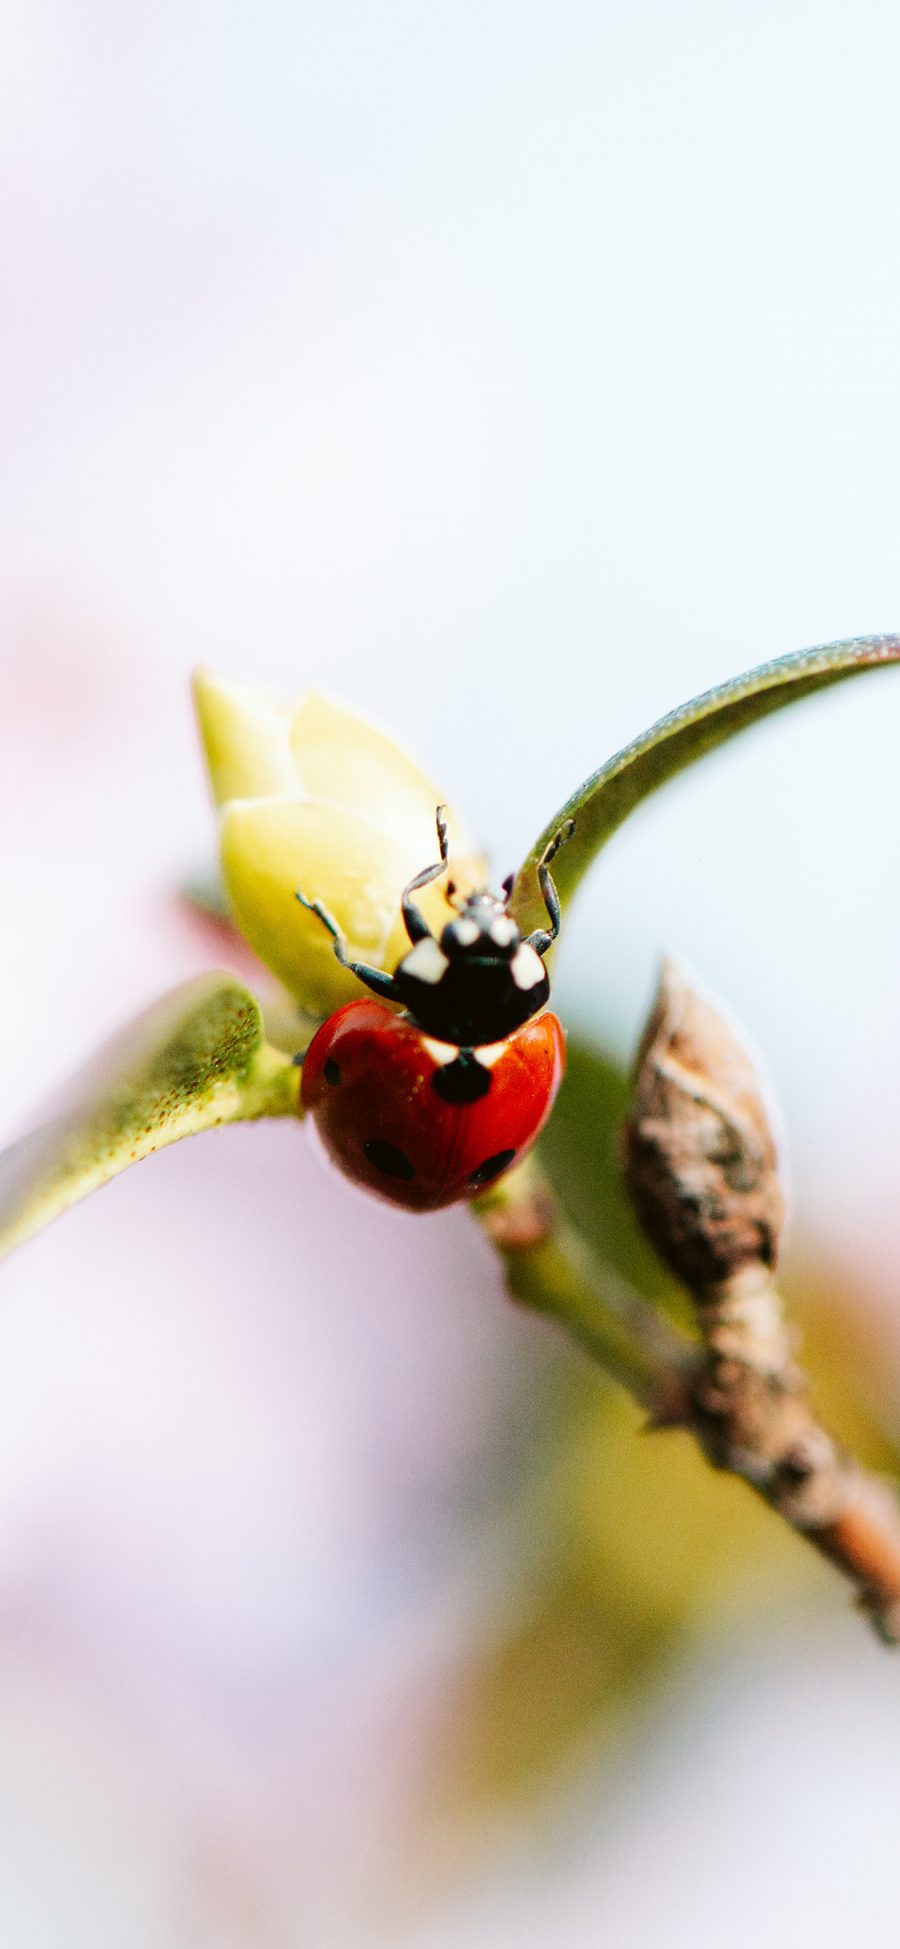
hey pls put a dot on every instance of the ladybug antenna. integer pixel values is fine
(507, 888)
(415, 923)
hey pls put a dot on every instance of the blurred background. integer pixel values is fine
(513, 373)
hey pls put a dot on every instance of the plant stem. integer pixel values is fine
(552, 1270)
(737, 1389)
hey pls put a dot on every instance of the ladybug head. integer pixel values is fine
(479, 981)
(483, 930)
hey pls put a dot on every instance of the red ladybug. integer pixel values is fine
(431, 1106)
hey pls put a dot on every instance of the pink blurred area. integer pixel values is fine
(244, 1422)
(241, 1446)
(514, 373)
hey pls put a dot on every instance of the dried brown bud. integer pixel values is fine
(700, 1157)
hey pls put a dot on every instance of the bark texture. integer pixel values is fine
(702, 1168)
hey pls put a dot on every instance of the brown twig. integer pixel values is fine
(702, 1168)
(750, 1410)
(701, 1165)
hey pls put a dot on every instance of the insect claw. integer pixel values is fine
(559, 839)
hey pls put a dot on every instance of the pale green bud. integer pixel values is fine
(312, 797)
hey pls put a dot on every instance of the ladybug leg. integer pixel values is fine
(415, 923)
(541, 939)
(374, 978)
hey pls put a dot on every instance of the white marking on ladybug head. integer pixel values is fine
(526, 967)
(503, 931)
(426, 962)
(464, 932)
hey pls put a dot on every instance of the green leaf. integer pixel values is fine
(675, 742)
(196, 1059)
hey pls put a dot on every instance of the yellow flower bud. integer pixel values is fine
(312, 797)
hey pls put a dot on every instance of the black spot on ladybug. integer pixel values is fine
(464, 1080)
(387, 1158)
(491, 1167)
(331, 1071)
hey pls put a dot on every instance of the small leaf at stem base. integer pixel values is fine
(195, 1059)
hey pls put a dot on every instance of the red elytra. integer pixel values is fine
(369, 1085)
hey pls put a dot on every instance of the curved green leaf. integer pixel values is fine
(195, 1059)
(601, 804)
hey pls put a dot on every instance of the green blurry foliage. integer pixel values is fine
(580, 1154)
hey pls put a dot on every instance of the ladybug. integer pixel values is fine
(433, 1105)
